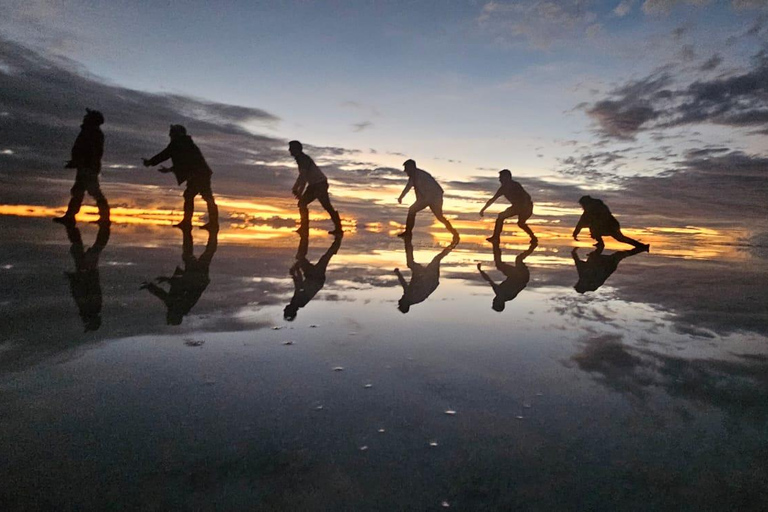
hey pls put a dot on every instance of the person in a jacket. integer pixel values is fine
(86, 158)
(188, 165)
(311, 177)
(598, 218)
(522, 206)
(428, 194)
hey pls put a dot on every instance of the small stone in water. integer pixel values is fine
(381, 431)
(450, 412)
(539, 394)
(313, 326)
(368, 386)
(433, 443)
(287, 343)
(276, 328)
(338, 369)
(526, 406)
(519, 417)
(319, 408)
(445, 504)
(363, 448)
(194, 343)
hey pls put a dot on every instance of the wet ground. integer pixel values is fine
(648, 390)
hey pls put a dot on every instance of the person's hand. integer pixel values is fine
(145, 161)
(164, 169)
(399, 200)
(482, 213)
(479, 266)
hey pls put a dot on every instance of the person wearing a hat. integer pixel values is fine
(428, 193)
(86, 158)
(189, 166)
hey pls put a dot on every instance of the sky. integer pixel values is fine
(630, 98)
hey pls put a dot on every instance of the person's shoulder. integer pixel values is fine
(304, 159)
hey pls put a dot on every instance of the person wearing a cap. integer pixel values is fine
(598, 218)
(188, 165)
(86, 158)
(311, 177)
(522, 206)
(428, 193)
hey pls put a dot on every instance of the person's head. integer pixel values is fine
(409, 165)
(584, 201)
(295, 148)
(93, 118)
(177, 131)
(505, 176)
(498, 304)
(290, 312)
(403, 305)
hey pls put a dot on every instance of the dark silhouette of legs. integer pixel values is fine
(322, 196)
(318, 191)
(213, 210)
(621, 237)
(521, 222)
(410, 220)
(83, 184)
(437, 209)
(189, 207)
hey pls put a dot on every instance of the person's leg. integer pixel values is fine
(499, 226)
(213, 210)
(94, 190)
(437, 209)
(78, 193)
(307, 197)
(621, 237)
(189, 206)
(410, 221)
(325, 200)
(521, 222)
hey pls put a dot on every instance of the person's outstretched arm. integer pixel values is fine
(405, 190)
(156, 291)
(491, 201)
(158, 158)
(298, 187)
(401, 279)
(579, 225)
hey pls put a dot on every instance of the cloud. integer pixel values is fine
(749, 4)
(358, 127)
(665, 6)
(713, 62)
(623, 8)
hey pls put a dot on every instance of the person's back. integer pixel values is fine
(599, 218)
(515, 193)
(309, 170)
(88, 149)
(425, 185)
(188, 160)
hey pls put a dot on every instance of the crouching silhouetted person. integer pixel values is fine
(598, 218)
(188, 165)
(86, 158)
(316, 184)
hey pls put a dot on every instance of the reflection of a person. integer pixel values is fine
(84, 281)
(308, 278)
(598, 267)
(517, 275)
(188, 284)
(424, 279)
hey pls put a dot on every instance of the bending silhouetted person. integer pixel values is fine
(188, 284)
(188, 165)
(84, 282)
(517, 276)
(598, 218)
(308, 278)
(424, 279)
(86, 158)
(316, 184)
(522, 206)
(597, 268)
(428, 193)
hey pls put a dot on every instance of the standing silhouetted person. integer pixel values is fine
(424, 279)
(598, 218)
(597, 268)
(308, 278)
(186, 284)
(84, 281)
(428, 193)
(316, 184)
(522, 206)
(86, 158)
(517, 276)
(188, 165)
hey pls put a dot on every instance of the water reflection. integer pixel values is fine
(186, 284)
(84, 283)
(598, 267)
(308, 278)
(517, 276)
(424, 279)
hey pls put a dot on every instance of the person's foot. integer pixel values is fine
(456, 237)
(67, 220)
(185, 224)
(534, 240)
(210, 226)
(336, 232)
(405, 234)
(645, 247)
(493, 239)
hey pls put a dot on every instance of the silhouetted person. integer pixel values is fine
(424, 279)
(428, 193)
(86, 158)
(598, 218)
(84, 281)
(308, 279)
(597, 268)
(316, 184)
(517, 275)
(188, 165)
(522, 206)
(188, 284)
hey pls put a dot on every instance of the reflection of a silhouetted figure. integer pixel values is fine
(188, 165)
(598, 218)
(597, 268)
(316, 188)
(188, 284)
(517, 275)
(522, 206)
(84, 281)
(424, 279)
(428, 193)
(86, 158)
(308, 278)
